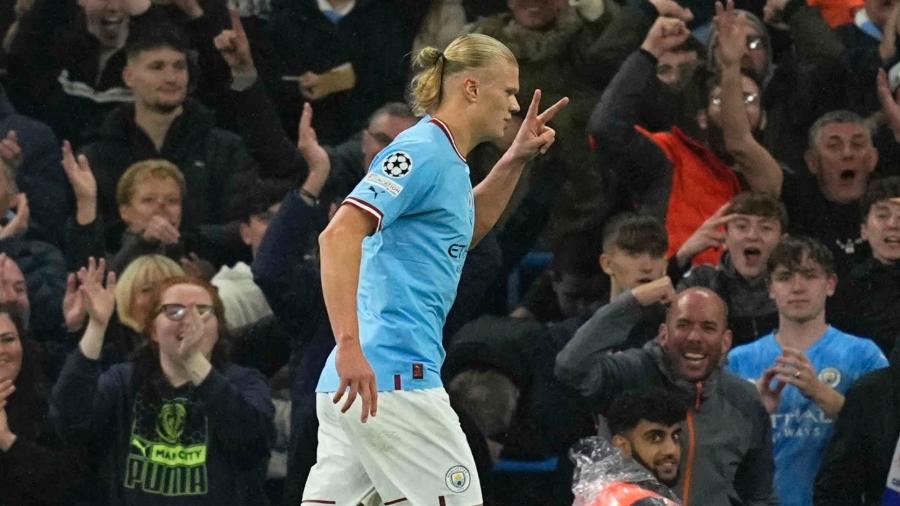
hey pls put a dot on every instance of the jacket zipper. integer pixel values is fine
(692, 444)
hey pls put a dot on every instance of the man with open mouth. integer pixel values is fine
(867, 302)
(824, 204)
(727, 435)
(749, 228)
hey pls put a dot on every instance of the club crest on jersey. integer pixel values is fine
(397, 164)
(830, 376)
(457, 479)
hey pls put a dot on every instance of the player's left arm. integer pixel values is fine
(534, 137)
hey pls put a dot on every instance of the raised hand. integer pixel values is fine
(190, 334)
(665, 35)
(99, 301)
(770, 397)
(234, 46)
(159, 229)
(731, 34)
(671, 9)
(315, 155)
(658, 291)
(888, 103)
(74, 310)
(356, 375)
(709, 235)
(794, 368)
(78, 171)
(534, 136)
(19, 223)
(7, 438)
(11, 150)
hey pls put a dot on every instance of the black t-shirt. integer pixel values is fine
(835, 225)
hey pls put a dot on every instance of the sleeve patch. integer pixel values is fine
(377, 180)
(397, 164)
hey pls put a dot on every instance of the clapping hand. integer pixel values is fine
(99, 300)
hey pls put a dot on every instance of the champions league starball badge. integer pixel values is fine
(397, 164)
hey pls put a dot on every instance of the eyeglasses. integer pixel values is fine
(755, 42)
(177, 312)
(749, 98)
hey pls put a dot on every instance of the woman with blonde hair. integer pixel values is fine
(133, 291)
(418, 214)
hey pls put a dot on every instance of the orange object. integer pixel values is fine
(837, 12)
(701, 184)
(620, 493)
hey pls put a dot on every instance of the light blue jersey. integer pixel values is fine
(418, 188)
(800, 430)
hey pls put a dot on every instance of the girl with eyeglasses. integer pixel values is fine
(178, 424)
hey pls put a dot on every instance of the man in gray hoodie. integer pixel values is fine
(727, 441)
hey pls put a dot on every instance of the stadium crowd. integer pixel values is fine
(694, 292)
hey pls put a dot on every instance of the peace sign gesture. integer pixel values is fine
(534, 136)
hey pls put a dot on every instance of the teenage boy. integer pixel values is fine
(634, 258)
(868, 301)
(804, 368)
(749, 227)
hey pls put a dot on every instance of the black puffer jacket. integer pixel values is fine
(207, 156)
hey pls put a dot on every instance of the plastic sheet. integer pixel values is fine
(604, 476)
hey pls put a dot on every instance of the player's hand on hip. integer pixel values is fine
(534, 136)
(356, 374)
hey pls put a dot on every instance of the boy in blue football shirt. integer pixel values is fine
(804, 368)
(391, 261)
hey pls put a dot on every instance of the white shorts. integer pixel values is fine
(412, 453)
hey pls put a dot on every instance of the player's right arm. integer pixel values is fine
(340, 248)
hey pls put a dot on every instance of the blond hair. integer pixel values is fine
(143, 269)
(146, 169)
(467, 52)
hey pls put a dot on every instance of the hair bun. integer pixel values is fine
(428, 58)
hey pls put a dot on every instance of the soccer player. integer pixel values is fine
(391, 260)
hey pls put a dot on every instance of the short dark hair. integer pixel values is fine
(658, 405)
(636, 233)
(255, 195)
(759, 204)
(154, 37)
(838, 116)
(791, 252)
(879, 190)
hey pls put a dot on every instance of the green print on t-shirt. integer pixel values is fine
(168, 448)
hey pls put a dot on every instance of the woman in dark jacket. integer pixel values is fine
(179, 424)
(35, 469)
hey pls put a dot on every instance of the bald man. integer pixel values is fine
(726, 442)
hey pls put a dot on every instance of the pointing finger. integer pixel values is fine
(236, 24)
(548, 115)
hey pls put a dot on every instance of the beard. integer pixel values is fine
(669, 483)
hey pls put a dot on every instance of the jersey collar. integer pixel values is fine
(443, 126)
